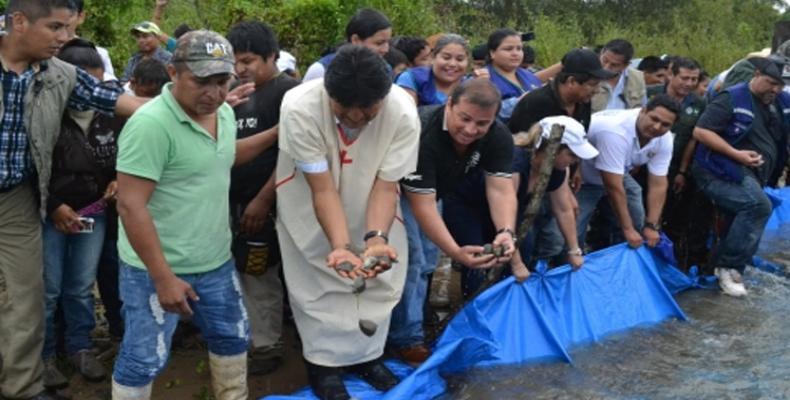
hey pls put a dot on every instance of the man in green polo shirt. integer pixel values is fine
(174, 163)
(687, 213)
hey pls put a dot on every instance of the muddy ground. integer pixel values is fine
(187, 376)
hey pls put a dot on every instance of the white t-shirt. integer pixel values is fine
(315, 71)
(613, 133)
(109, 72)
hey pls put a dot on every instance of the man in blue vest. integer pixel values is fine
(743, 145)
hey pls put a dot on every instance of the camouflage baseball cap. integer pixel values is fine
(146, 27)
(205, 53)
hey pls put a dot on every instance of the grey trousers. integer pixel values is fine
(263, 297)
(21, 294)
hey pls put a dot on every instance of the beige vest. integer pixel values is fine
(45, 101)
(633, 92)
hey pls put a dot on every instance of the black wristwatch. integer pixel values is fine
(372, 234)
(653, 226)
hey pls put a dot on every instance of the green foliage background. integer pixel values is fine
(716, 32)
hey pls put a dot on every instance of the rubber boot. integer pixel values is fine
(121, 392)
(229, 376)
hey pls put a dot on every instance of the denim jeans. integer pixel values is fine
(220, 315)
(70, 262)
(750, 208)
(545, 240)
(470, 225)
(589, 196)
(407, 317)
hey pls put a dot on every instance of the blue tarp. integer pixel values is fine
(781, 214)
(618, 288)
(512, 323)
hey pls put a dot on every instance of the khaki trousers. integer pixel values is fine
(21, 294)
(263, 297)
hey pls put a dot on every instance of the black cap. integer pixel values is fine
(768, 67)
(583, 61)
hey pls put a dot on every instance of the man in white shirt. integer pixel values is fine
(627, 139)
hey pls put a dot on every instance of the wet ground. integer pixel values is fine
(729, 349)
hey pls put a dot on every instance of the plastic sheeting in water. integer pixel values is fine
(781, 214)
(618, 288)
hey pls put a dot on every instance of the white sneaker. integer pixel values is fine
(730, 282)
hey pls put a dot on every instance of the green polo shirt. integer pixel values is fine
(191, 169)
(690, 111)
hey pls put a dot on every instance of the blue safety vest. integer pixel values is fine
(740, 126)
(326, 60)
(527, 82)
(426, 88)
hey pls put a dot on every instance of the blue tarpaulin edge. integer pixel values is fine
(539, 320)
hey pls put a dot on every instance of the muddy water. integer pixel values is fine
(729, 349)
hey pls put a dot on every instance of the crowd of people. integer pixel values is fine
(210, 183)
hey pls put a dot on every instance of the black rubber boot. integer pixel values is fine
(326, 382)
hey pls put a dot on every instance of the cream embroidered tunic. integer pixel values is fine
(324, 308)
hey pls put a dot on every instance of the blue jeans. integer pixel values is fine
(470, 225)
(70, 262)
(544, 240)
(751, 209)
(589, 196)
(407, 317)
(220, 315)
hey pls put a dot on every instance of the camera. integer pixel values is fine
(87, 225)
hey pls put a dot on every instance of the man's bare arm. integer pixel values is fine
(250, 147)
(423, 206)
(716, 143)
(330, 214)
(133, 196)
(127, 105)
(502, 206)
(615, 191)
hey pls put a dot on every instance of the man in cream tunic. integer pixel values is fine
(345, 142)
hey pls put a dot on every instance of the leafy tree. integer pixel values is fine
(716, 33)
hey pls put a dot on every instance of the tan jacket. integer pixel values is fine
(634, 91)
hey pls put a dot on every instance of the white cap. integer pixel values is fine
(574, 137)
(286, 62)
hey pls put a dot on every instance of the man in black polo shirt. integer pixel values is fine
(458, 139)
(743, 136)
(569, 94)
(252, 193)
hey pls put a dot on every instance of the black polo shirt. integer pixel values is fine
(259, 113)
(542, 103)
(440, 169)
